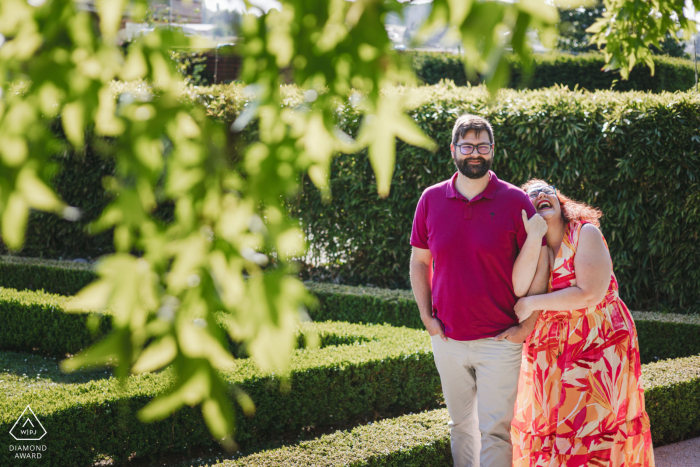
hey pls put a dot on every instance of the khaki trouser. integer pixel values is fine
(480, 383)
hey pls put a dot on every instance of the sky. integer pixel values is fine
(238, 5)
(265, 5)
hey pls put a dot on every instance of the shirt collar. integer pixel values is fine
(489, 192)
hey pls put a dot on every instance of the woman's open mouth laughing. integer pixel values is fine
(544, 204)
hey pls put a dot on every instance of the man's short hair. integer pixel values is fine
(468, 122)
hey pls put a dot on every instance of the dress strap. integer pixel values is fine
(571, 234)
(576, 233)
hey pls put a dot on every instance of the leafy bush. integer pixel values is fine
(37, 321)
(634, 155)
(58, 277)
(661, 335)
(672, 396)
(27, 318)
(583, 71)
(193, 66)
(79, 183)
(384, 368)
(419, 440)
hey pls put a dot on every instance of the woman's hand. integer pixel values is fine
(523, 308)
(535, 226)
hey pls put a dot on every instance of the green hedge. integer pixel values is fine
(634, 155)
(672, 396)
(360, 368)
(59, 277)
(87, 417)
(79, 183)
(549, 69)
(36, 322)
(385, 368)
(27, 317)
(419, 440)
(661, 335)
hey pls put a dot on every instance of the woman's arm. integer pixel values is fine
(526, 262)
(593, 270)
(519, 333)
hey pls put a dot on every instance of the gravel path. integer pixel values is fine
(683, 454)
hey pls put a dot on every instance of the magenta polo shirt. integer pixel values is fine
(474, 246)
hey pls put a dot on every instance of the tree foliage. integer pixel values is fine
(58, 61)
(628, 28)
(573, 36)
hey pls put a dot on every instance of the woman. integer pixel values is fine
(580, 396)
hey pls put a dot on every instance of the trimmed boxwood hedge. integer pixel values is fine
(36, 322)
(60, 277)
(87, 416)
(385, 368)
(672, 396)
(374, 367)
(584, 71)
(661, 335)
(26, 318)
(418, 440)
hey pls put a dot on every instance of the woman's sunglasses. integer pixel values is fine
(547, 190)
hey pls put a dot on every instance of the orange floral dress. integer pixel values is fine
(580, 396)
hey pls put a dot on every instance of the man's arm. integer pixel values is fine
(519, 333)
(421, 281)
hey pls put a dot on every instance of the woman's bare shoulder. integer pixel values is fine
(591, 239)
(590, 229)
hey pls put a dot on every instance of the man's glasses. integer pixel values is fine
(547, 190)
(467, 149)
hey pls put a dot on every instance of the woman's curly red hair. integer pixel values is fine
(571, 210)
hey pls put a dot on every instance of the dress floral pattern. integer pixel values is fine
(580, 395)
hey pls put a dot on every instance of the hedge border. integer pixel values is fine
(386, 368)
(584, 70)
(672, 394)
(25, 326)
(54, 276)
(414, 440)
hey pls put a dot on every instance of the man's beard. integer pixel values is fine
(473, 171)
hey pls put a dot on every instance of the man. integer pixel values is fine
(472, 227)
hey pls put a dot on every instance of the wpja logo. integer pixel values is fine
(28, 428)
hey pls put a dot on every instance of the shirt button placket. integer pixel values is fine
(467, 210)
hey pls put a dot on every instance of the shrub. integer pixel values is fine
(385, 368)
(661, 335)
(358, 368)
(59, 277)
(419, 440)
(634, 155)
(583, 71)
(672, 396)
(36, 321)
(79, 183)
(28, 318)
